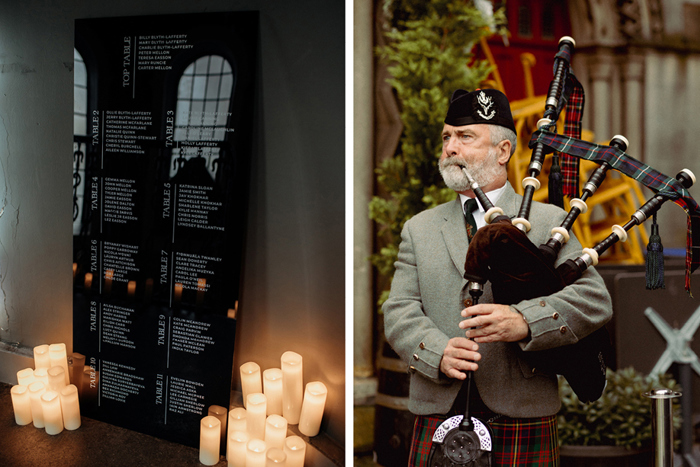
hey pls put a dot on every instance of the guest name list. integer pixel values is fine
(158, 258)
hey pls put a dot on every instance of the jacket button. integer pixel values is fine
(555, 315)
(467, 302)
(421, 345)
(412, 369)
(542, 303)
(562, 329)
(415, 356)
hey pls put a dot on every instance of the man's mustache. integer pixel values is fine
(454, 162)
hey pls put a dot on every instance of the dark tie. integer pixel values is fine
(469, 207)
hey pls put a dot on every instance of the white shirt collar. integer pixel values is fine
(493, 196)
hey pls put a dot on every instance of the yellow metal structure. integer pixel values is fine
(615, 200)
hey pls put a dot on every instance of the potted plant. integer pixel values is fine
(615, 429)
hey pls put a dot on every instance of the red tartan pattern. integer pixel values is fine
(517, 441)
(572, 127)
(574, 98)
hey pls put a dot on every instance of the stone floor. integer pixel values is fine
(97, 443)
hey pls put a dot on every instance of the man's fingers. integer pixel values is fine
(468, 323)
(459, 356)
(456, 374)
(462, 343)
(462, 354)
(476, 310)
(463, 365)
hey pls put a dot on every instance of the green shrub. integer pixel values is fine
(622, 415)
(429, 55)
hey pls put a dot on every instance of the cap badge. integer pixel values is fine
(486, 103)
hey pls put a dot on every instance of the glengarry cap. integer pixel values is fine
(489, 106)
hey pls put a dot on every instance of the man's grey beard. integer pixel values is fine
(483, 173)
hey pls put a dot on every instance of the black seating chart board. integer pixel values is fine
(160, 201)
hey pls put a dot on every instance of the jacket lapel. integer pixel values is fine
(509, 201)
(454, 233)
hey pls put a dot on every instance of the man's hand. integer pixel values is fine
(459, 356)
(494, 323)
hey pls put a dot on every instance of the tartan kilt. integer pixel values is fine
(516, 441)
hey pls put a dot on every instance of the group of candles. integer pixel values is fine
(257, 433)
(44, 394)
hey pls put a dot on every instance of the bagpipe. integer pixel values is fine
(502, 254)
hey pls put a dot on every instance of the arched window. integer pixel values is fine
(80, 106)
(203, 99)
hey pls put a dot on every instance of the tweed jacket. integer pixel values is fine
(427, 295)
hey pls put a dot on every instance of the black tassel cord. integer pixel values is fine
(556, 193)
(655, 259)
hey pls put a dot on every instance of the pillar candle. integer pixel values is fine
(255, 453)
(70, 406)
(21, 404)
(312, 408)
(201, 288)
(250, 380)
(236, 448)
(209, 439)
(88, 280)
(275, 457)
(25, 377)
(41, 357)
(272, 388)
(237, 419)
(76, 369)
(57, 378)
(109, 277)
(275, 431)
(42, 374)
(53, 417)
(256, 413)
(222, 414)
(293, 386)
(36, 389)
(59, 357)
(87, 372)
(91, 381)
(177, 292)
(148, 289)
(131, 288)
(295, 449)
